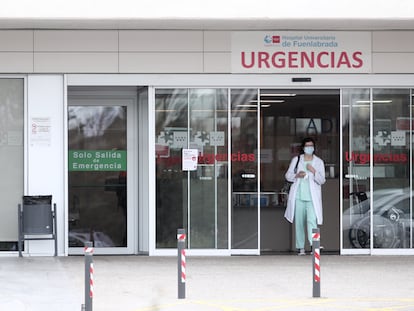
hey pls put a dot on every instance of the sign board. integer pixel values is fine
(40, 134)
(97, 160)
(190, 159)
(301, 52)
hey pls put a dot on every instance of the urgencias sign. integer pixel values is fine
(364, 158)
(301, 52)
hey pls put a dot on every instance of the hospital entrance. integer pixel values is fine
(287, 116)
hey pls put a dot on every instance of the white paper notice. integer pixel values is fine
(40, 134)
(190, 159)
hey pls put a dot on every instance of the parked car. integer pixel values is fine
(391, 219)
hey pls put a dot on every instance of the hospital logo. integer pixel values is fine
(271, 40)
(276, 39)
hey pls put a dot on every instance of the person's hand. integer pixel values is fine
(301, 174)
(310, 168)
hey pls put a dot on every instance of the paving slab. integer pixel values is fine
(237, 283)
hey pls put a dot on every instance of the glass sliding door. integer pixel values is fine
(391, 169)
(286, 117)
(356, 217)
(11, 159)
(244, 169)
(171, 128)
(208, 184)
(195, 200)
(377, 144)
(100, 157)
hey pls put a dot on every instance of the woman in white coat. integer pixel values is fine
(304, 205)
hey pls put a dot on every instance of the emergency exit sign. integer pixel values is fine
(97, 160)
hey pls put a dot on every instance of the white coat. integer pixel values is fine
(315, 182)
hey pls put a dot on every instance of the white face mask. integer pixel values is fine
(309, 149)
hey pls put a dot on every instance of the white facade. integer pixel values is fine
(157, 51)
(50, 60)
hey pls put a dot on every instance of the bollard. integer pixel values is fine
(88, 277)
(316, 244)
(181, 263)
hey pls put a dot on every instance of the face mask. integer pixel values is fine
(309, 149)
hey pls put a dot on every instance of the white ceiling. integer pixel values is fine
(208, 14)
(210, 24)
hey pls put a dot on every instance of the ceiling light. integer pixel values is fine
(275, 101)
(386, 101)
(246, 105)
(356, 106)
(278, 94)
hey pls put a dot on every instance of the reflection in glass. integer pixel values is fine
(391, 210)
(208, 184)
(171, 128)
(391, 172)
(356, 162)
(11, 158)
(194, 200)
(97, 176)
(244, 168)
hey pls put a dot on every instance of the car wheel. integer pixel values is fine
(385, 233)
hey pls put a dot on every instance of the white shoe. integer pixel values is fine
(301, 252)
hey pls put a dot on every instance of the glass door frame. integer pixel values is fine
(371, 250)
(208, 251)
(374, 222)
(244, 251)
(132, 168)
(285, 81)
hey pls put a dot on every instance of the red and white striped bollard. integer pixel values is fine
(181, 263)
(89, 270)
(316, 266)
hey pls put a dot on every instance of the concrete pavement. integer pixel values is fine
(238, 283)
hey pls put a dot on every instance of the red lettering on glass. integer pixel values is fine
(364, 158)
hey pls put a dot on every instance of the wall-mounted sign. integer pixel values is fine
(190, 159)
(301, 52)
(97, 160)
(40, 133)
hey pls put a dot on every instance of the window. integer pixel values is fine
(11, 159)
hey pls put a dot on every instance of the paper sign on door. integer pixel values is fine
(190, 159)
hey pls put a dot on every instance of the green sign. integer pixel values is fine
(97, 160)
